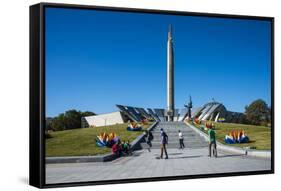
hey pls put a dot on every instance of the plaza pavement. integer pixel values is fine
(189, 161)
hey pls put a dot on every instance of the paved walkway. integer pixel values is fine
(190, 161)
(191, 138)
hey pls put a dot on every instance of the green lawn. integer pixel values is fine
(81, 142)
(260, 136)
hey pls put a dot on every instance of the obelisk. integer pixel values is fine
(170, 76)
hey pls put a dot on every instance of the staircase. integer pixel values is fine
(191, 138)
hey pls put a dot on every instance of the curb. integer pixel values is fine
(241, 151)
(99, 158)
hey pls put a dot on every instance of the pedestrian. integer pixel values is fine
(129, 148)
(148, 138)
(212, 142)
(164, 142)
(124, 148)
(181, 140)
(116, 149)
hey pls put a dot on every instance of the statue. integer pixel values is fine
(189, 106)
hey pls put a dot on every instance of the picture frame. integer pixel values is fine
(37, 155)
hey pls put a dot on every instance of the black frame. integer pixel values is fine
(37, 94)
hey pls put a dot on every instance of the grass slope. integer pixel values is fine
(260, 136)
(81, 142)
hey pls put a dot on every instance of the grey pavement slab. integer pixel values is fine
(180, 162)
(190, 161)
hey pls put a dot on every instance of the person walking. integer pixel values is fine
(148, 139)
(181, 140)
(212, 142)
(164, 142)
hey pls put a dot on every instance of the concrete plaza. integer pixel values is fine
(190, 161)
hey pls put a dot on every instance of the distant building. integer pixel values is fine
(102, 119)
(128, 113)
(215, 111)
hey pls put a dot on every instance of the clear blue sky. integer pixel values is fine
(96, 59)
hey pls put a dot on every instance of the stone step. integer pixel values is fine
(177, 143)
(175, 133)
(191, 138)
(177, 140)
(175, 146)
(176, 136)
(174, 130)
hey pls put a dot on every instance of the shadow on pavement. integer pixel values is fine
(175, 153)
(184, 157)
(231, 155)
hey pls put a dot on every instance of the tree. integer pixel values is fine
(58, 123)
(71, 119)
(87, 113)
(258, 113)
(49, 123)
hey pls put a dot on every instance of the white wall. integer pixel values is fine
(14, 93)
(105, 119)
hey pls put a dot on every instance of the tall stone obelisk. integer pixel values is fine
(170, 76)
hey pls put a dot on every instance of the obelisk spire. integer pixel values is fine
(170, 76)
(170, 33)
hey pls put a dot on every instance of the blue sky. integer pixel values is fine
(96, 59)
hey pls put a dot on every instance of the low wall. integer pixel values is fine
(235, 150)
(98, 158)
(80, 159)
